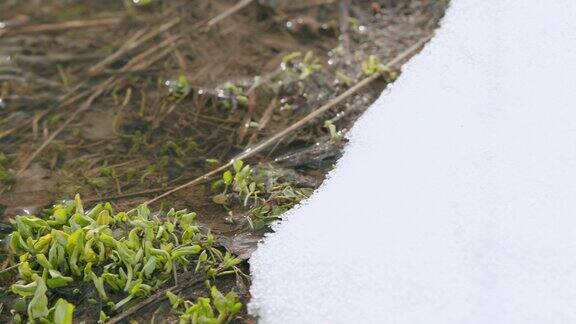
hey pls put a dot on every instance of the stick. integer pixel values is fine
(265, 118)
(9, 268)
(126, 195)
(251, 151)
(74, 24)
(135, 41)
(234, 9)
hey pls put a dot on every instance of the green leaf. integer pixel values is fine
(75, 239)
(93, 213)
(88, 272)
(38, 306)
(60, 215)
(212, 162)
(41, 259)
(42, 244)
(186, 251)
(187, 220)
(89, 253)
(72, 262)
(136, 287)
(24, 290)
(72, 243)
(150, 266)
(143, 211)
(174, 299)
(108, 240)
(78, 204)
(230, 261)
(99, 284)
(238, 165)
(25, 270)
(34, 222)
(218, 299)
(82, 219)
(24, 230)
(17, 244)
(227, 177)
(57, 280)
(103, 317)
(113, 280)
(123, 302)
(125, 253)
(103, 218)
(291, 57)
(220, 199)
(63, 312)
(60, 237)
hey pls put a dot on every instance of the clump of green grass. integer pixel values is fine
(218, 309)
(233, 95)
(261, 190)
(178, 89)
(300, 67)
(241, 182)
(335, 135)
(372, 66)
(124, 255)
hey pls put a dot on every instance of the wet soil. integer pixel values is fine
(121, 102)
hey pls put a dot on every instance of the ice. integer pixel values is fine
(456, 200)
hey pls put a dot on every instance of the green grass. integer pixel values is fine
(125, 256)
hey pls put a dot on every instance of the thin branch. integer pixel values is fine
(126, 195)
(62, 26)
(9, 268)
(265, 118)
(234, 9)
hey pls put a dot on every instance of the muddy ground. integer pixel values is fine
(122, 101)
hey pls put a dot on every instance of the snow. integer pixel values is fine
(456, 200)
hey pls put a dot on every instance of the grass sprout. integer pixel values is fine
(335, 136)
(271, 195)
(217, 309)
(124, 255)
(301, 67)
(372, 65)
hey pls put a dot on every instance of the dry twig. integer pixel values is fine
(67, 25)
(239, 6)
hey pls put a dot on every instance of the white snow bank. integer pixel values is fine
(456, 200)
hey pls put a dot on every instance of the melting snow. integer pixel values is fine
(456, 199)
